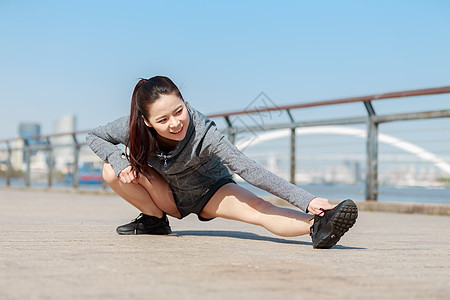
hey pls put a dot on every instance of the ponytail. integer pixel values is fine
(141, 142)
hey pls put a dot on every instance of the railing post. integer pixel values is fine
(293, 141)
(372, 154)
(27, 152)
(76, 158)
(293, 155)
(230, 132)
(49, 164)
(8, 165)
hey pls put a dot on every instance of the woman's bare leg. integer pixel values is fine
(234, 202)
(150, 197)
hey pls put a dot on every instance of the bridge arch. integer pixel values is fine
(342, 130)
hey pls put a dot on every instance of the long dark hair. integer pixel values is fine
(142, 139)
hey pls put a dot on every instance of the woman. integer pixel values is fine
(177, 164)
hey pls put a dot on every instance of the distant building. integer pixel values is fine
(64, 145)
(27, 131)
(17, 154)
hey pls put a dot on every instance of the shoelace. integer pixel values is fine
(137, 218)
(318, 223)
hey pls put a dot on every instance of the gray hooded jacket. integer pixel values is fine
(197, 162)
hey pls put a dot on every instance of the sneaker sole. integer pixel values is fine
(162, 231)
(343, 219)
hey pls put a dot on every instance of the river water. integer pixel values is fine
(386, 193)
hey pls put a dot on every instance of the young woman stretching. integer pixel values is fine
(177, 164)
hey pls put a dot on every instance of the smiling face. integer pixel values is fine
(170, 119)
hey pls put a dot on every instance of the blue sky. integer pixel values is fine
(84, 57)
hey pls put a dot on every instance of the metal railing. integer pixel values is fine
(372, 121)
(45, 144)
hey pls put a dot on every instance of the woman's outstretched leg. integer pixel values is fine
(234, 202)
(330, 222)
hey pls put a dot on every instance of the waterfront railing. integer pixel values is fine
(235, 126)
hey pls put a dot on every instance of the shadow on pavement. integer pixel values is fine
(247, 236)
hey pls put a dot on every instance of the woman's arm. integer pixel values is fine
(103, 140)
(254, 173)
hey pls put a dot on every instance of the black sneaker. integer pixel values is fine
(145, 224)
(327, 230)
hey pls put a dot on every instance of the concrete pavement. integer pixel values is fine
(60, 245)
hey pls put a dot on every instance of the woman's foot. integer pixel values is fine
(145, 224)
(328, 229)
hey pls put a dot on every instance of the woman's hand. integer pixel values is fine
(128, 176)
(317, 205)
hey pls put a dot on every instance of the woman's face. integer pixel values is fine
(169, 117)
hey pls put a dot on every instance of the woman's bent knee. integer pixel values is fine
(108, 173)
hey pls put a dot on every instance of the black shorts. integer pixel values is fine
(197, 206)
